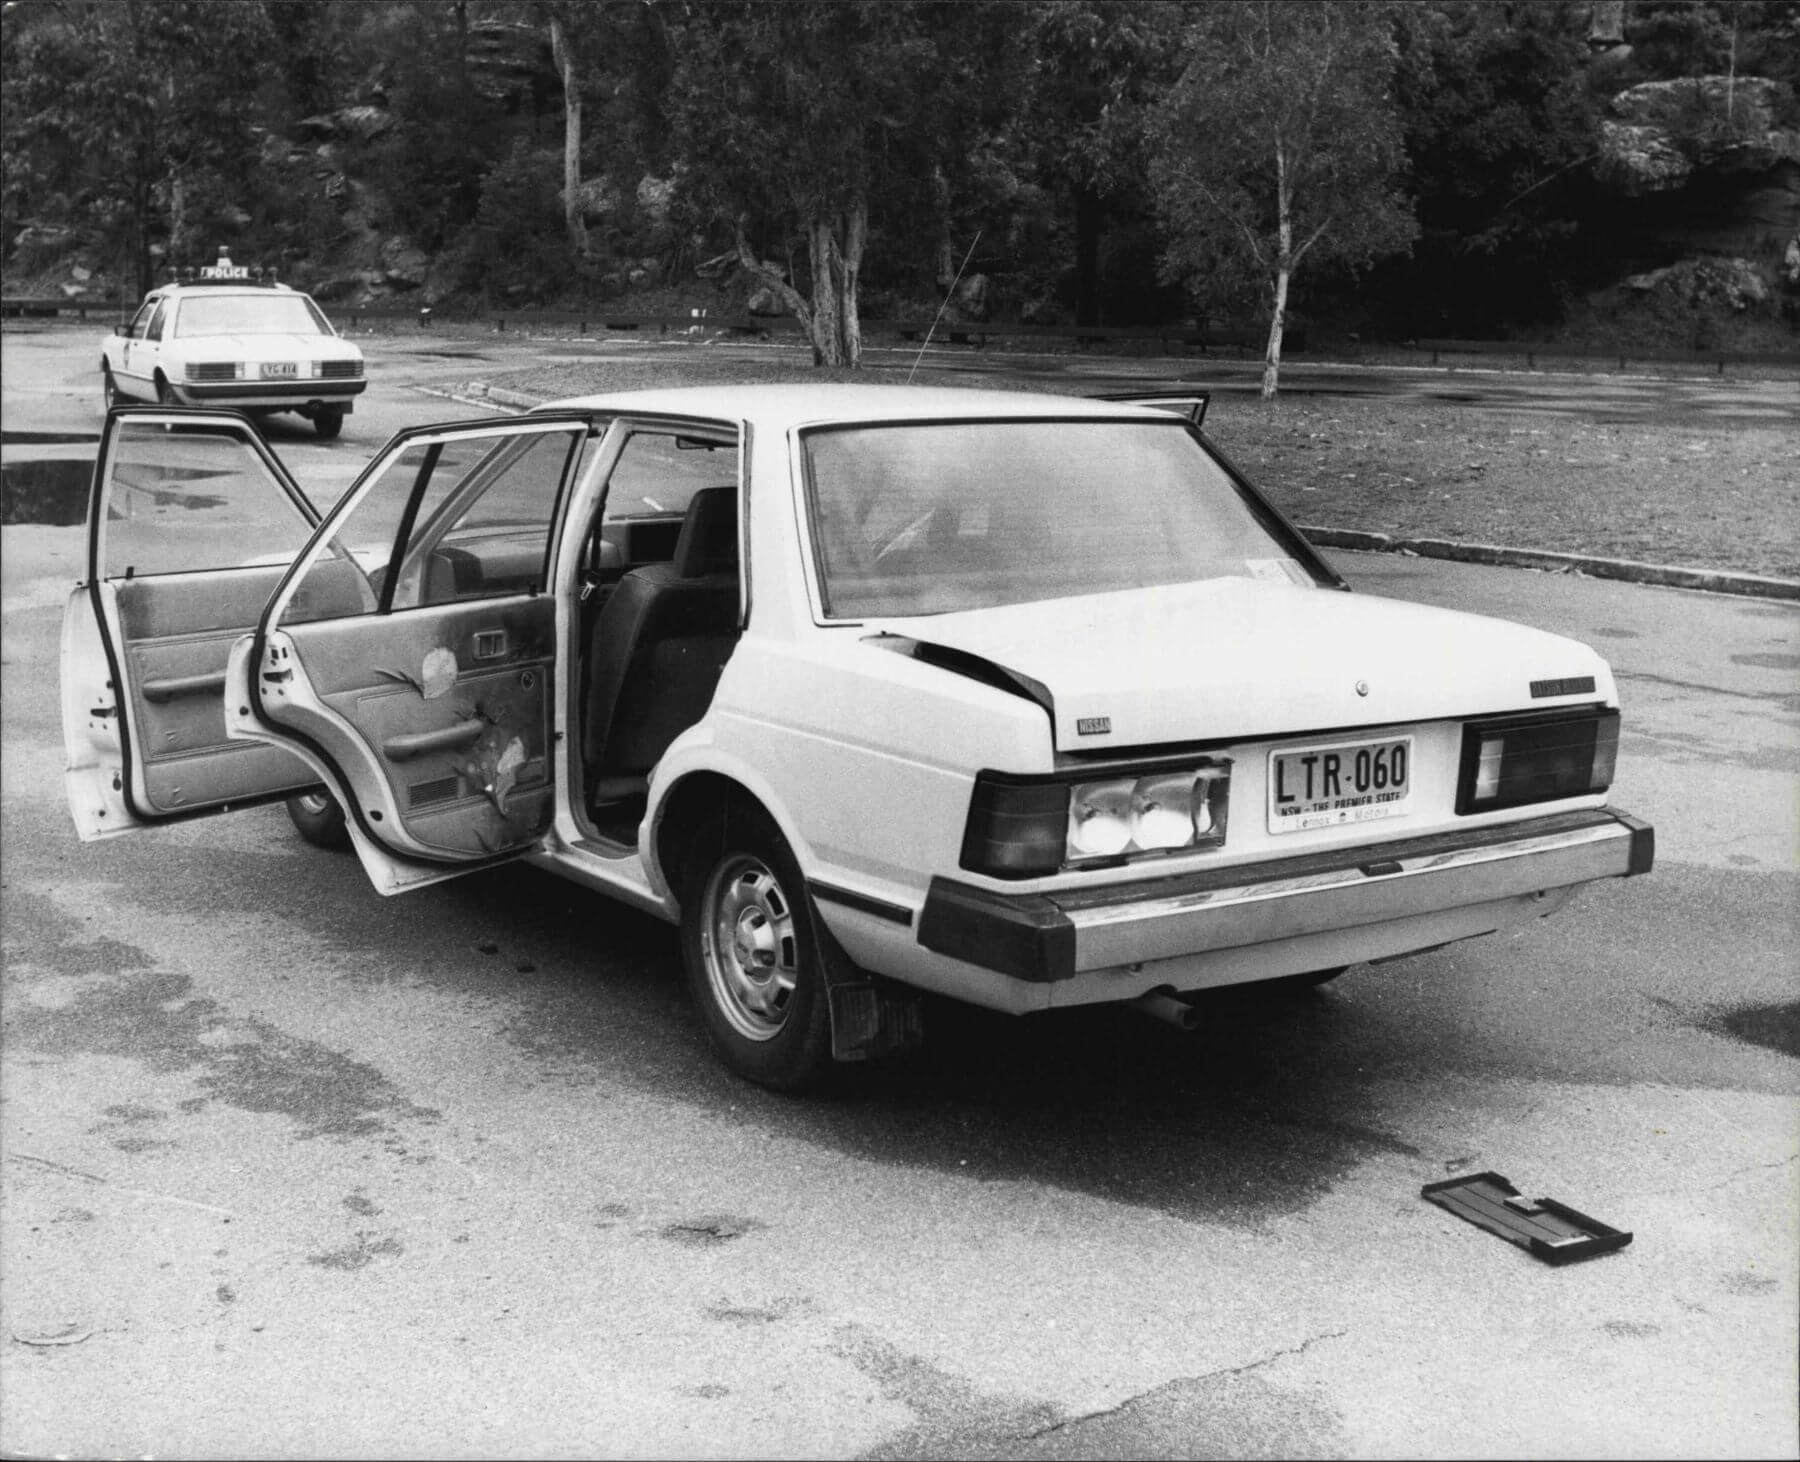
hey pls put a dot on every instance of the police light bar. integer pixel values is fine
(224, 269)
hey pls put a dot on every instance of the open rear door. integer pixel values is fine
(192, 521)
(409, 654)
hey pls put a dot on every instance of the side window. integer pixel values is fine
(445, 519)
(188, 498)
(154, 330)
(647, 496)
(139, 321)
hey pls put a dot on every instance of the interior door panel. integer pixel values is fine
(448, 706)
(175, 634)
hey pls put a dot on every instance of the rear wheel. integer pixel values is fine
(754, 963)
(109, 388)
(319, 820)
(329, 422)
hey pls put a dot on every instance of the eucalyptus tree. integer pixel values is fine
(795, 122)
(1279, 145)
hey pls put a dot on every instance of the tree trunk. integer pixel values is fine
(785, 292)
(946, 250)
(564, 56)
(140, 231)
(856, 233)
(1284, 265)
(180, 249)
(827, 319)
(1272, 357)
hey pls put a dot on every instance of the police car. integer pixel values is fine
(225, 336)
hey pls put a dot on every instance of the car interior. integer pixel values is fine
(659, 619)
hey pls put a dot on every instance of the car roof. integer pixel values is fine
(219, 286)
(792, 405)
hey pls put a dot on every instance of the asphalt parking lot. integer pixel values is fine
(292, 1170)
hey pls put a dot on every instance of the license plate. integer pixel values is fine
(1350, 781)
(278, 368)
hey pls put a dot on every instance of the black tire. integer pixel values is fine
(329, 422)
(165, 393)
(754, 964)
(319, 820)
(109, 388)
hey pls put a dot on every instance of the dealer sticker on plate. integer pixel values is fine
(1349, 781)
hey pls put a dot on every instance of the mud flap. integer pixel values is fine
(871, 1017)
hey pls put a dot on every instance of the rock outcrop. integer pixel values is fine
(1661, 133)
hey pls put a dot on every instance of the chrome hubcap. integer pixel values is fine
(751, 951)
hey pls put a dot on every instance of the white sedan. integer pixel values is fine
(230, 341)
(1028, 700)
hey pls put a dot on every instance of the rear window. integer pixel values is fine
(249, 314)
(929, 518)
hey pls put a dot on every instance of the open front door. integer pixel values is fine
(191, 524)
(409, 654)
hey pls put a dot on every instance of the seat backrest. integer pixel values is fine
(661, 643)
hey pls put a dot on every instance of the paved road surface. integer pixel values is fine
(292, 1170)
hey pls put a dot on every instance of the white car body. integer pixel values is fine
(867, 743)
(285, 354)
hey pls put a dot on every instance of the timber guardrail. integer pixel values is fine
(1622, 355)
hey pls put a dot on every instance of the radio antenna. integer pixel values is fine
(949, 295)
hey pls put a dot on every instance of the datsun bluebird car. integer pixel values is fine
(224, 338)
(1027, 700)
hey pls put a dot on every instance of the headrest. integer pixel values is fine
(708, 543)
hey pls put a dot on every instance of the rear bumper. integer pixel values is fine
(1043, 938)
(278, 394)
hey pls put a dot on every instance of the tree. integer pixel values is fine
(1279, 144)
(1095, 66)
(1499, 125)
(573, 28)
(790, 118)
(149, 104)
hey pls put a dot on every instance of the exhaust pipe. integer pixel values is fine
(1164, 1006)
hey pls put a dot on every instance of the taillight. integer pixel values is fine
(1015, 828)
(1029, 827)
(1511, 761)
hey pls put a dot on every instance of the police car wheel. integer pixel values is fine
(318, 818)
(329, 423)
(165, 393)
(109, 388)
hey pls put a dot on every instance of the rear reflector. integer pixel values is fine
(1513, 761)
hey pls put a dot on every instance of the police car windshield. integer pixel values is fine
(250, 314)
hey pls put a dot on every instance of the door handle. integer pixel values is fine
(419, 743)
(178, 685)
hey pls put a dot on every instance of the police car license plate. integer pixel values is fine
(1349, 781)
(273, 368)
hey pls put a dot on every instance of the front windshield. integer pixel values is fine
(250, 314)
(928, 518)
